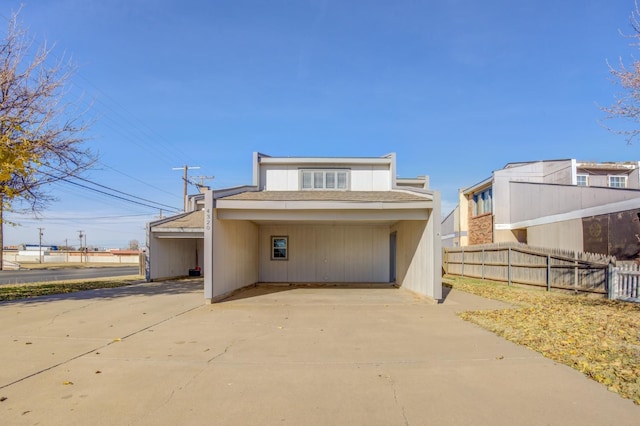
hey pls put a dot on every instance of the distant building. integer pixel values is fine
(36, 247)
(582, 206)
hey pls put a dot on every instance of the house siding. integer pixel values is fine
(174, 257)
(362, 177)
(234, 255)
(327, 253)
(565, 234)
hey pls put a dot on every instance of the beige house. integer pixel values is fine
(307, 220)
(568, 204)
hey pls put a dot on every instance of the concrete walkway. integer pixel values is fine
(154, 354)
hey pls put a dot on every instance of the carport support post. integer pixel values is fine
(147, 255)
(207, 262)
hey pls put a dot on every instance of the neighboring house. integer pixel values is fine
(307, 220)
(451, 230)
(582, 206)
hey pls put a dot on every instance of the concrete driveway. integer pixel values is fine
(154, 354)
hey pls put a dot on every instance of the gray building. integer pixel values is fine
(582, 206)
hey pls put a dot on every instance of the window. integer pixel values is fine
(618, 181)
(483, 202)
(333, 180)
(279, 248)
(582, 180)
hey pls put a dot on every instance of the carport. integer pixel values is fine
(318, 237)
(175, 246)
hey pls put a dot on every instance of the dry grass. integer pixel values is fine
(24, 291)
(598, 337)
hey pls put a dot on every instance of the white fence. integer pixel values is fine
(71, 257)
(625, 283)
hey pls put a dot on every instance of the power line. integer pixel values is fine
(113, 195)
(120, 192)
(160, 145)
(43, 218)
(68, 180)
(138, 133)
(136, 179)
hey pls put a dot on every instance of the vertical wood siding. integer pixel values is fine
(235, 255)
(327, 253)
(173, 257)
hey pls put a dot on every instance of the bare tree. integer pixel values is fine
(41, 135)
(134, 245)
(627, 105)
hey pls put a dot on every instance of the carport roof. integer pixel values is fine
(192, 221)
(357, 196)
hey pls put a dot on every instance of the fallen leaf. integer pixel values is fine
(67, 383)
(595, 336)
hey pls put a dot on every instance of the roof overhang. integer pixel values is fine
(192, 233)
(328, 215)
(322, 211)
(480, 185)
(185, 225)
(320, 205)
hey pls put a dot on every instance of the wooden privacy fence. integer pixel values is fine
(521, 264)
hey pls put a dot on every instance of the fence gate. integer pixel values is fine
(625, 283)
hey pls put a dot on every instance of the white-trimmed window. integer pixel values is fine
(327, 179)
(280, 248)
(618, 181)
(582, 180)
(483, 202)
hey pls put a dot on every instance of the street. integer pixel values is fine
(40, 275)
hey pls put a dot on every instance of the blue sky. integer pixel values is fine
(457, 88)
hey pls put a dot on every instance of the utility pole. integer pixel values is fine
(40, 244)
(186, 180)
(80, 246)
